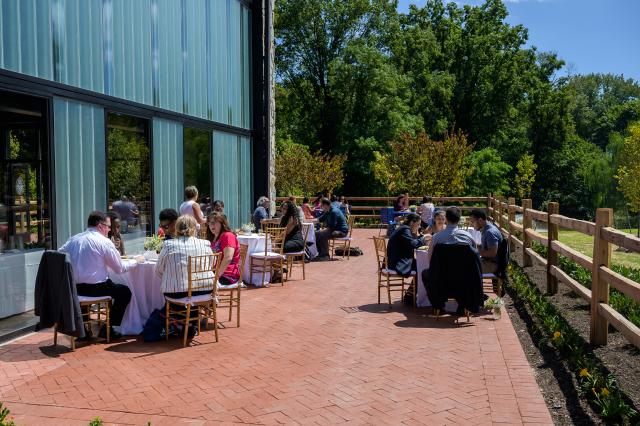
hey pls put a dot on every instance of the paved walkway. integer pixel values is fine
(298, 357)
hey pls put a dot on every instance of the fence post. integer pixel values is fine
(500, 212)
(526, 224)
(488, 205)
(600, 288)
(552, 255)
(511, 212)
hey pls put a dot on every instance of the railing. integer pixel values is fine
(369, 207)
(602, 277)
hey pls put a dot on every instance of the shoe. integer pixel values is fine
(192, 331)
(113, 335)
(321, 258)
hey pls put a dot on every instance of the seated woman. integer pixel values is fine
(293, 240)
(402, 243)
(399, 205)
(306, 210)
(174, 256)
(114, 233)
(224, 241)
(439, 223)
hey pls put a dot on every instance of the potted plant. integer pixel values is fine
(153, 243)
(495, 306)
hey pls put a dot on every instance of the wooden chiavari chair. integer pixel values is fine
(298, 258)
(229, 295)
(272, 260)
(388, 278)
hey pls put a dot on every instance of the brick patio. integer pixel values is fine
(297, 358)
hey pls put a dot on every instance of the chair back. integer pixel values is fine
(305, 231)
(350, 225)
(244, 249)
(380, 244)
(275, 240)
(503, 258)
(266, 224)
(202, 272)
(384, 215)
(455, 271)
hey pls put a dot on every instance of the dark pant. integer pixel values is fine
(120, 293)
(322, 240)
(293, 246)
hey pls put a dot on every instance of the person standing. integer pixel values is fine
(91, 252)
(190, 207)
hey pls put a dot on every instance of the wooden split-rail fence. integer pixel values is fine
(521, 235)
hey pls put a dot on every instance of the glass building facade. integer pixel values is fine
(118, 105)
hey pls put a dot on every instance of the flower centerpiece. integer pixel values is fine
(247, 228)
(153, 243)
(495, 305)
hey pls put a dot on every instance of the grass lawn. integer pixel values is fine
(584, 244)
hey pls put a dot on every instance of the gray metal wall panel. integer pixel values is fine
(168, 174)
(80, 169)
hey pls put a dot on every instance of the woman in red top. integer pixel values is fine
(225, 241)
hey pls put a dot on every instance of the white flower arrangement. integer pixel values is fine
(247, 228)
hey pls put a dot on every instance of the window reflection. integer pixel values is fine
(128, 173)
(197, 164)
(24, 210)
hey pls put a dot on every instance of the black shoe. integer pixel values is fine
(192, 331)
(113, 335)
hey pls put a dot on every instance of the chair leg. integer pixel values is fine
(250, 270)
(186, 326)
(389, 292)
(73, 343)
(108, 314)
(238, 308)
(231, 304)
(348, 250)
(304, 277)
(215, 320)
(166, 334)
(437, 312)
(499, 287)
(467, 312)
(55, 334)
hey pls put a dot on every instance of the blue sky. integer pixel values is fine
(590, 35)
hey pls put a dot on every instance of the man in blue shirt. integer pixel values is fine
(335, 227)
(491, 238)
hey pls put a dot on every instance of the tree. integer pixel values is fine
(300, 172)
(420, 165)
(525, 176)
(629, 172)
(489, 174)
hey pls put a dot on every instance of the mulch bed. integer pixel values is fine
(554, 376)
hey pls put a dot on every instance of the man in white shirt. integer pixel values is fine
(91, 252)
(451, 234)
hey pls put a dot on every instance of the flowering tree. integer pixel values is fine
(420, 165)
(525, 175)
(301, 172)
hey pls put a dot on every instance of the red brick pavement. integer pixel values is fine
(297, 358)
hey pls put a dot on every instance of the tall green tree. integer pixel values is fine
(629, 172)
(488, 173)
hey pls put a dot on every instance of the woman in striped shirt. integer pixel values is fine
(174, 257)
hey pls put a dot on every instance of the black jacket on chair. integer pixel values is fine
(400, 250)
(56, 298)
(455, 271)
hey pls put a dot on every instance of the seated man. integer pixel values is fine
(403, 242)
(451, 234)
(168, 219)
(90, 253)
(491, 238)
(260, 212)
(335, 227)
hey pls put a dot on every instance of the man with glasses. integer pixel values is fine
(168, 219)
(91, 252)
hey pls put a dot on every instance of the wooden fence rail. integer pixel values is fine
(602, 276)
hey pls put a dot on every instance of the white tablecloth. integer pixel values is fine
(421, 264)
(311, 238)
(146, 295)
(256, 245)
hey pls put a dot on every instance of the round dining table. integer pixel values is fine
(146, 295)
(256, 244)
